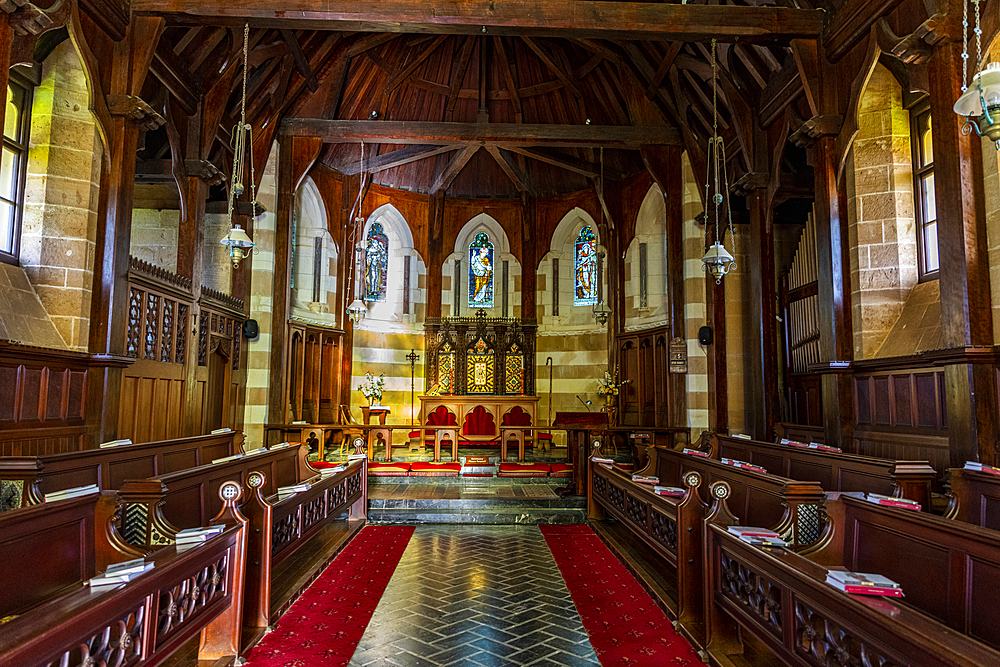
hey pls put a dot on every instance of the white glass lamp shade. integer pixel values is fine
(238, 244)
(356, 310)
(981, 102)
(718, 261)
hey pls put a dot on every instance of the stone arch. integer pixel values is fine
(645, 304)
(315, 251)
(482, 222)
(401, 246)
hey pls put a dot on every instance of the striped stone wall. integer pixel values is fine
(694, 302)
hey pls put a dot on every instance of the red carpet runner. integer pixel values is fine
(326, 623)
(625, 625)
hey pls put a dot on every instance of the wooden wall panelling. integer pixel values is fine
(643, 361)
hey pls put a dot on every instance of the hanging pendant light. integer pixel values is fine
(237, 242)
(357, 310)
(717, 260)
(980, 101)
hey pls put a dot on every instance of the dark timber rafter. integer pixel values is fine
(578, 18)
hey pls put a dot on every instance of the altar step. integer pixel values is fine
(494, 511)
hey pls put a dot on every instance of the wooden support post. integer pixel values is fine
(435, 253)
(966, 312)
(763, 330)
(277, 404)
(718, 381)
(834, 295)
(529, 256)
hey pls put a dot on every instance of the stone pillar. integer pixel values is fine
(281, 281)
(529, 255)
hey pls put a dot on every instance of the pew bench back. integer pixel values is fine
(975, 498)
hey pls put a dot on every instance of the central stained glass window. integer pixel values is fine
(376, 263)
(481, 272)
(585, 264)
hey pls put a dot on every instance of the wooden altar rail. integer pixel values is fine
(277, 529)
(142, 622)
(30, 477)
(974, 498)
(835, 471)
(799, 432)
(155, 509)
(61, 544)
(781, 598)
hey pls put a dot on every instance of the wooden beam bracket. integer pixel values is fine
(816, 127)
(137, 109)
(204, 170)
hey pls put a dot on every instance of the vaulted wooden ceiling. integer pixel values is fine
(407, 92)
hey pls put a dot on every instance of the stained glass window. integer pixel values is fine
(376, 263)
(481, 272)
(585, 263)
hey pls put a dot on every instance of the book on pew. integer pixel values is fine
(981, 467)
(116, 578)
(669, 491)
(190, 536)
(859, 583)
(75, 492)
(289, 491)
(741, 436)
(646, 479)
(357, 457)
(824, 448)
(752, 531)
(224, 459)
(744, 465)
(326, 472)
(764, 542)
(127, 567)
(696, 452)
(116, 443)
(793, 443)
(607, 462)
(281, 445)
(219, 431)
(888, 501)
(255, 450)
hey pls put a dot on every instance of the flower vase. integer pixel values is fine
(609, 401)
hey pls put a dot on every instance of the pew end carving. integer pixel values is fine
(221, 638)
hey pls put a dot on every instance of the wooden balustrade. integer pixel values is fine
(25, 479)
(279, 528)
(835, 471)
(974, 498)
(198, 590)
(781, 600)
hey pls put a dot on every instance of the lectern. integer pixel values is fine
(581, 429)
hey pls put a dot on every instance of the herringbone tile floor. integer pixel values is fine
(476, 595)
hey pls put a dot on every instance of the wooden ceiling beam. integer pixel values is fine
(576, 18)
(508, 77)
(301, 62)
(398, 158)
(548, 61)
(513, 172)
(401, 76)
(409, 132)
(448, 174)
(661, 71)
(459, 66)
(575, 166)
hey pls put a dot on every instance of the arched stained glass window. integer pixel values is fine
(585, 267)
(481, 272)
(376, 263)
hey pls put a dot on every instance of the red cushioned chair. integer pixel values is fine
(479, 422)
(441, 416)
(518, 417)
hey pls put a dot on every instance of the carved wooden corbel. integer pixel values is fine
(750, 181)
(137, 109)
(916, 47)
(815, 127)
(205, 170)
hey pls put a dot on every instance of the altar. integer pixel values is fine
(480, 420)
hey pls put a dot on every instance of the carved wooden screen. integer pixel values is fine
(157, 314)
(481, 355)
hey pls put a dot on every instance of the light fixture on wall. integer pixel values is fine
(237, 241)
(717, 259)
(601, 313)
(980, 101)
(357, 310)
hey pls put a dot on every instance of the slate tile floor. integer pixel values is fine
(469, 595)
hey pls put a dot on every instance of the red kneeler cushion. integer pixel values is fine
(510, 469)
(435, 469)
(319, 465)
(388, 469)
(561, 470)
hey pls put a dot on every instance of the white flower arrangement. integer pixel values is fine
(372, 388)
(609, 386)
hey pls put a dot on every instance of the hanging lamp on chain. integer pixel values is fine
(237, 242)
(980, 100)
(717, 260)
(356, 311)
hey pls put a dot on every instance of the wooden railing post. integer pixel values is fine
(143, 524)
(257, 590)
(222, 636)
(802, 522)
(594, 510)
(912, 480)
(359, 510)
(721, 631)
(690, 596)
(19, 482)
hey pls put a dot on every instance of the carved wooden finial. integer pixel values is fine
(359, 445)
(692, 479)
(595, 449)
(719, 514)
(230, 492)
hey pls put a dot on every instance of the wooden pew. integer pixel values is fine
(799, 432)
(787, 506)
(155, 509)
(835, 471)
(949, 570)
(60, 544)
(782, 602)
(25, 479)
(142, 622)
(280, 528)
(670, 527)
(974, 498)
